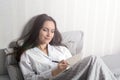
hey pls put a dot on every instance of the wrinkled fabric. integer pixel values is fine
(90, 68)
(36, 65)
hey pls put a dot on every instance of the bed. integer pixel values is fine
(74, 44)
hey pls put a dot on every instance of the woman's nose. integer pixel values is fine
(49, 33)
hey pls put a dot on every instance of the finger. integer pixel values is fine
(65, 62)
(62, 61)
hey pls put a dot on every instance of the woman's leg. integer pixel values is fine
(99, 71)
(90, 68)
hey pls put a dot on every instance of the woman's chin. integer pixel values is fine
(47, 42)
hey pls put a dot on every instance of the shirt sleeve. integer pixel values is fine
(29, 73)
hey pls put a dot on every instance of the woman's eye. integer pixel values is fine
(44, 29)
(52, 31)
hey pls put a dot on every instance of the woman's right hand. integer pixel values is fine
(62, 65)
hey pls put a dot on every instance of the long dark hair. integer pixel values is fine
(30, 40)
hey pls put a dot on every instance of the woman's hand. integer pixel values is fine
(62, 65)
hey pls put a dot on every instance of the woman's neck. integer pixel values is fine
(43, 48)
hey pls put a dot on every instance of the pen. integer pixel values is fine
(55, 61)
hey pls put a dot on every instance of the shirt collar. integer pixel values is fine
(49, 49)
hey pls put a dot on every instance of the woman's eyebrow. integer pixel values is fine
(47, 28)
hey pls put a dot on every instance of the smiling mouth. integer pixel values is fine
(47, 38)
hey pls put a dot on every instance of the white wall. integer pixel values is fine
(98, 19)
(5, 22)
(12, 19)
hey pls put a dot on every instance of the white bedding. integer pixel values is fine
(113, 63)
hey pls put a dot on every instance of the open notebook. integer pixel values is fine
(73, 60)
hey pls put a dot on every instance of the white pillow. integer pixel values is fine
(73, 40)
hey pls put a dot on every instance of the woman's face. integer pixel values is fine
(46, 33)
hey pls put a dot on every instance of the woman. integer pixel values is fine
(43, 57)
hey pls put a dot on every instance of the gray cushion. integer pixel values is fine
(4, 77)
(73, 40)
(14, 72)
(10, 59)
(12, 66)
(3, 69)
(112, 61)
